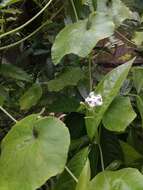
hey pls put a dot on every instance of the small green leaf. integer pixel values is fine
(130, 154)
(76, 165)
(138, 78)
(139, 101)
(3, 95)
(5, 3)
(9, 70)
(83, 181)
(81, 37)
(70, 77)
(124, 179)
(33, 151)
(138, 38)
(119, 115)
(31, 97)
(108, 88)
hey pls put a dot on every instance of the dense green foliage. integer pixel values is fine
(71, 118)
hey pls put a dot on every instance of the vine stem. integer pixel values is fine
(8, 114)
(74, 9)
(23, 39)
(28, 22)
(90, 72)
(31, 34)
(101, 157)
(71, 174)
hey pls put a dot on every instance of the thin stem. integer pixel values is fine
(125, 38)
(23, 39)
(28, 22)
(101, 157)
(10, 116)
(32, 34)
(71, 174)
(90, 72)
(74, 9)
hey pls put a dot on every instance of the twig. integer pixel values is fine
(71, 174)
(8, 114)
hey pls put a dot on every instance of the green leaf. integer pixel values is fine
(138, 78)
(66, 104)
(70, 77)
(139, 101)
(3, 95)
(108, 88)
(33, 151)
(5, 3)
(109, 141)
(31, 97)
(124, 179)
(84, 178)
(119, 115)
(76, 165)
(138, 38)
(81, 37)
(9, 70)
(130, 154)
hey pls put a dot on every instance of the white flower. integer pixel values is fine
(94, 100)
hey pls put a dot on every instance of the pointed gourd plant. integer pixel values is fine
(70, 154)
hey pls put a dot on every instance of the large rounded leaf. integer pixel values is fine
(125, 179)
(33, 151)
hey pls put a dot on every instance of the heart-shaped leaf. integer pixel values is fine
(81, 37)
(33, 151)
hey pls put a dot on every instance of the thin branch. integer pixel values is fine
(28, 22)
(101, 157)
(71, 174)
(74, 9)
(23, 39)
(8, 114)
